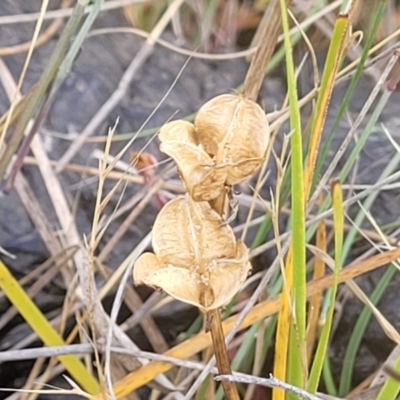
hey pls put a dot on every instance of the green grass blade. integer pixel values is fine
(76, 45)
(297, 348)
(353, 83)
(391, 387)
(338, 219)
(365, 316)
(39, 324)
(328, 378)
(359, 330)
(331, 67)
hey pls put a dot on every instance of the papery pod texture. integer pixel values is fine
(235, 131)
(202, 178)
(196, 258)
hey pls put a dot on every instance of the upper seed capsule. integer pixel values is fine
(235, 131)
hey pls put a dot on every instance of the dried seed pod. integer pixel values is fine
(202, 178)
(235, 131)
(179, 130)
(197, 259)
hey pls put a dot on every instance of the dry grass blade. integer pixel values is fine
(340, 38)
(266, 39)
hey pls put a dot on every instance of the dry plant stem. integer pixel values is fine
(221, 354)
(61, 13)
(134, 302)
(253, 81)
(8, 183)
(29, 354)
(271, 26)
(101, 321)
(217, 333)
(128, 222)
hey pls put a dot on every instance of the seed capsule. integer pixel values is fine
(203, 179)
(235, 131)
(196, 259)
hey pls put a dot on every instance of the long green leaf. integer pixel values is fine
(391, 387)
(350, 90)
(297, 350)
(338, 219)
(38, 322)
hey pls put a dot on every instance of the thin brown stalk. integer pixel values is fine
(215, 326)
(128, 222)
(221, 354)
(270, 29)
